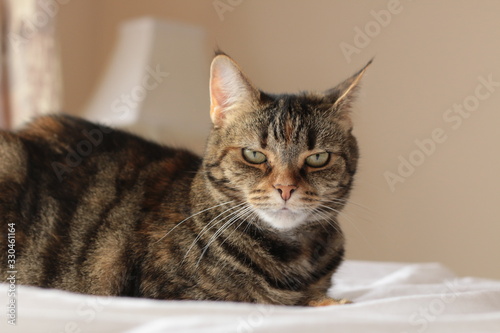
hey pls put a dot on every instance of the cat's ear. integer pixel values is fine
(343, 95)
(230, 91)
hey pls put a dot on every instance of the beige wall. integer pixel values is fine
(430, 58)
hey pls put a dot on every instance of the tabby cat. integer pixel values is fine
(101, 211)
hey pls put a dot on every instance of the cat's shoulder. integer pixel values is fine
(59, 126)
(13, 157)
(63, 132)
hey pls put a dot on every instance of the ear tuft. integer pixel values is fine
(343, 95)
(230, 90)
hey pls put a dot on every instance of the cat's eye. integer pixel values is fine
(318, 160)
(253, 156)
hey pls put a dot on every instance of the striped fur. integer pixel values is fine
(100, 211)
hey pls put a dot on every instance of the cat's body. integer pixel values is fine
(103, 212)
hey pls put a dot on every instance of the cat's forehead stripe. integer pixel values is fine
(311, 139)
(263, 137)
(288, 121)
(289, 129)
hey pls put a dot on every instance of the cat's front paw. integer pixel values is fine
(329, 301)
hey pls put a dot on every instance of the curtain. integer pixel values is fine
(31, 73)
(4, 100)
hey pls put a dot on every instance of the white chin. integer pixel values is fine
(283, 219)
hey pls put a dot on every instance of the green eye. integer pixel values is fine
(318, 160)
(253, 156)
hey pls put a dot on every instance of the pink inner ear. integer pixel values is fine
(218, 98)
(229, 89)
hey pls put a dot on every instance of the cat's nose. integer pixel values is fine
(285, 190)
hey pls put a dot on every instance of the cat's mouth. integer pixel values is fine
(283, 218)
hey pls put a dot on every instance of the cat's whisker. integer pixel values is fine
(347, 217)
(248, 213)
(241, 214)
(366, 214)
(342, 201)
(213, 222)
(195, 214)
(327, 218)
(348, 201)
(342, 214)
(321, 218)
(246, 218)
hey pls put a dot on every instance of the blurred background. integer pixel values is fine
(427, 118)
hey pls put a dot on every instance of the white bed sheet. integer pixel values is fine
(388, 297)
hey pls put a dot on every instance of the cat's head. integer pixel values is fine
(290, 158)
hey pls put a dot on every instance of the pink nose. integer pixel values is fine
(285, 190)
